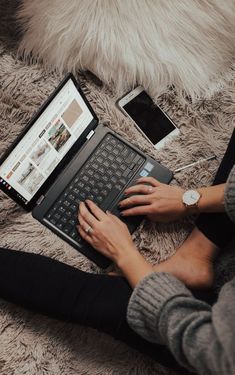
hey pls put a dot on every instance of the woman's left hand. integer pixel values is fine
(105, 232)
(111, 237)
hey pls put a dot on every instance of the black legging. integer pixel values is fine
(217, 226)
(100, 301)
(64, 292)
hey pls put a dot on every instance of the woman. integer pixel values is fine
(161, 310)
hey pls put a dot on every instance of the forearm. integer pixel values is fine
(133, 266)
(212, 199)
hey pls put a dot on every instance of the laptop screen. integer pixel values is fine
(46, 143)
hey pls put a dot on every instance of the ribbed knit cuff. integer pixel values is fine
(147, 301)
(229, 198)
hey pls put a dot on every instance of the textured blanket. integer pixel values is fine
(30, 343)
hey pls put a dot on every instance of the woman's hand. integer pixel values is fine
(159, 202)
(105, 232)
(110, 236)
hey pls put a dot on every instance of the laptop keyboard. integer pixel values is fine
(101, 179)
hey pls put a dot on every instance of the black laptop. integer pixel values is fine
(65, 156)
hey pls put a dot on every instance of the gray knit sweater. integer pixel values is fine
(201, 337)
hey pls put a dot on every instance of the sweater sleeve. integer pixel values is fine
(163, 310)
(229, 198)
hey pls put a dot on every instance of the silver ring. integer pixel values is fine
(150, 189)
(88, 230)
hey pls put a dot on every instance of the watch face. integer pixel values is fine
(191, 197)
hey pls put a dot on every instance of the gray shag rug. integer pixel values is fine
(33, 344)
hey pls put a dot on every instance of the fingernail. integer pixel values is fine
(107, 212)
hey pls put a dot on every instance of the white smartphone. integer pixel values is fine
(151, 121)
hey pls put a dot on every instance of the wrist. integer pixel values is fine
(123, 258)
(190, 201)
(134, 267)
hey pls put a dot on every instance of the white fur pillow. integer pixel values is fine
(155, 43)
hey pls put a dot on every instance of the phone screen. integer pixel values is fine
(149, 117)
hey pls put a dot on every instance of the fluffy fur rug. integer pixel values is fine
(189, 44)
(31, 344)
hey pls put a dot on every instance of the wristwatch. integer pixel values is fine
(191, 198)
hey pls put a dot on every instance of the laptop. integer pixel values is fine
(64, 156)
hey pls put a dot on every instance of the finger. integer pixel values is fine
(140, 189)
(86, 215)
(149, 180)
(84, 225)
(84, 235)
(135, 211)
(96, 211)
(135, 200)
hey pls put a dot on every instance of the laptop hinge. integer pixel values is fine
(39, 201)
(90, 134)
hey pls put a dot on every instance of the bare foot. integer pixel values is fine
(193, 261)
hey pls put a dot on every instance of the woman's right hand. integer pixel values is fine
(159, 202)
